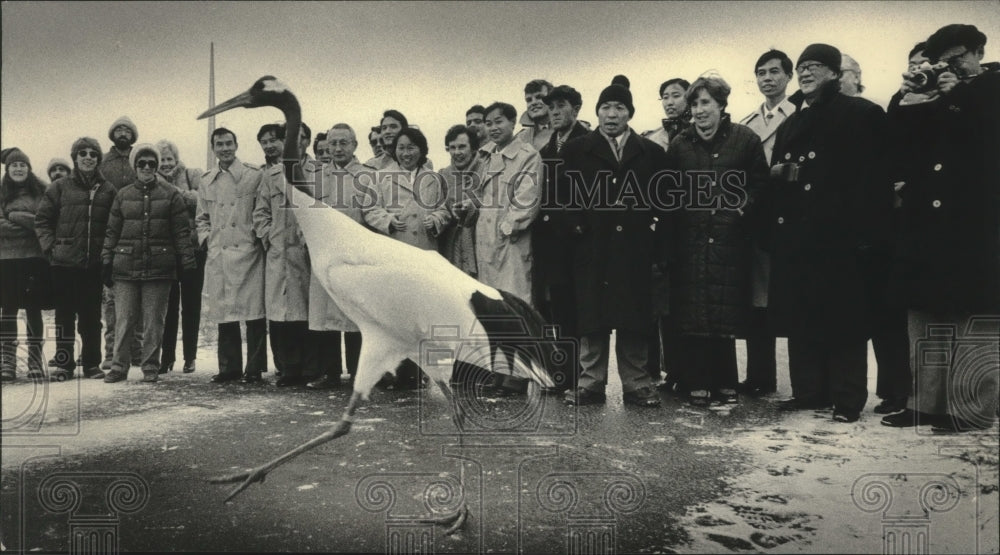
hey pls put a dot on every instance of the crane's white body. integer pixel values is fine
(397, 294)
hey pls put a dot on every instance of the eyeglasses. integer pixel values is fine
(151, 164)
(810, 67)
(88, 154)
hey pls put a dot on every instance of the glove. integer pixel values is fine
(106, 273)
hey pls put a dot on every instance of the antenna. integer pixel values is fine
(210, 163)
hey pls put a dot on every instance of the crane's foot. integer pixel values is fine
(254, 475)
(454, 521)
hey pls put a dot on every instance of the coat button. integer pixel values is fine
(619, 228)
(545, 218)
(807, 186)
(788, 156)
(781, 220)
(614, 180)
(812, 155)
(937, 167)
(711, 240)
(936, 204)
(712, 212)
(715, 155)
(802, 158)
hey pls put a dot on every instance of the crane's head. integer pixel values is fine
(267, 91)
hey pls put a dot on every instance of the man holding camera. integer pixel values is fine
(828, 208)
(946, 124)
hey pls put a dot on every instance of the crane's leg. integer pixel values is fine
(457, 519)
(258, 474)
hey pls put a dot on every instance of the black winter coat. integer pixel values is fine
(710, 252)
(148, 233)
(612, 213)
(948, 253)
(72, 219)
(827, 225)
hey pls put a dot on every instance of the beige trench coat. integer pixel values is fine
(508, 205)
(234, 271)
(410, 198)
(286, 267)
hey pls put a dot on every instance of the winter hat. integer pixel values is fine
(822, 53)
(58, 162)
(616, 92)
(14, 154)
(85, 142)
(146, 149)
(124, 121)
(952, 35)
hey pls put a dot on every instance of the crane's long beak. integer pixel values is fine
(242, 100)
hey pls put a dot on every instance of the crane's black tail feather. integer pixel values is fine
(514, 327)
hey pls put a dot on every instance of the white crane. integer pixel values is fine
(416, 291)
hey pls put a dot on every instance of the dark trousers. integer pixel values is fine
(287, 341)
(9, 339)
(231, 348)
(710, 363)
(185, 301)
(891, 342)
(762, 365)
(323, 356)
(828, 370)
(78, 305)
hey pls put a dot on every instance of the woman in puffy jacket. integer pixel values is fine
(148, 245)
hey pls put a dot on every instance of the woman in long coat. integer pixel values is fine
(710, 245)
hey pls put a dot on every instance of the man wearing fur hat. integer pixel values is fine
(828, 209)
(70, 224)
(611, 175)
(116, 169)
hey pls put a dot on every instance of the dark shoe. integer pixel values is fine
(955, 425)
(188, 366)
(106, 365)
(324, 382)
(166, 366)
(53, 361)
(908, 418)
(727, 397)
(223, 378)
(115, 376)
(94, 373)
(35, 374)
(289, 381)
(754, 389)
(252, 379)
(60, 375)
(890, 405)
(8, 375)
(699, 398)
(845, 417)
(150, 377)
(642, 397)
(583, 396)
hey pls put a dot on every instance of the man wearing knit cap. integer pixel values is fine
(827, 213)
(609, 177)
(58, 167)
(70, 223)
(947, 262)
(118, 172)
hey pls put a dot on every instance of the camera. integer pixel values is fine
(926, 78)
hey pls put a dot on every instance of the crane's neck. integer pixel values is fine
(292, 156)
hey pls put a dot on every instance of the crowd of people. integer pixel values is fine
(819, 217)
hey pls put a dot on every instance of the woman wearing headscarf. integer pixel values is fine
(148, 244)
(722, 165)
(24, 272)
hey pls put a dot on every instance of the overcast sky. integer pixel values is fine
(70, 69)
